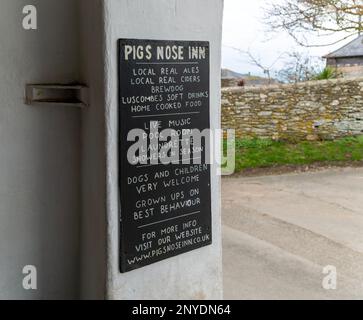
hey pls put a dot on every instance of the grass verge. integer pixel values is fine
(262, 153)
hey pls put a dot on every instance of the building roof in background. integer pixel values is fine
(352, 49)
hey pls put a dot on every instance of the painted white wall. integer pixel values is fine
(42, 149)
(39, 153)
(195, 275)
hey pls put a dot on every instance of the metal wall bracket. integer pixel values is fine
(75, 95)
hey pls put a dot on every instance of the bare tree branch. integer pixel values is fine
(322, 17)
(300, 67)
(267, 69)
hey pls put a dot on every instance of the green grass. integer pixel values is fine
(259, 153)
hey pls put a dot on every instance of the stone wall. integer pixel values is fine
(313, 110)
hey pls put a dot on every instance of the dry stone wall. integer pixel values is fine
(314, 110)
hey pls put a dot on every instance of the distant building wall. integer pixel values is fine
(348, 67)
(306, 111)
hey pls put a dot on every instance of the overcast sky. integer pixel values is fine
(244, 28)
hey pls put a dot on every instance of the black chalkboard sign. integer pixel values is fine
(165, 200)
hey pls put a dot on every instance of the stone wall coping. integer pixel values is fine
(291, 85)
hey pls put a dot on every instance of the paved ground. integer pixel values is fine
(281, 231)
